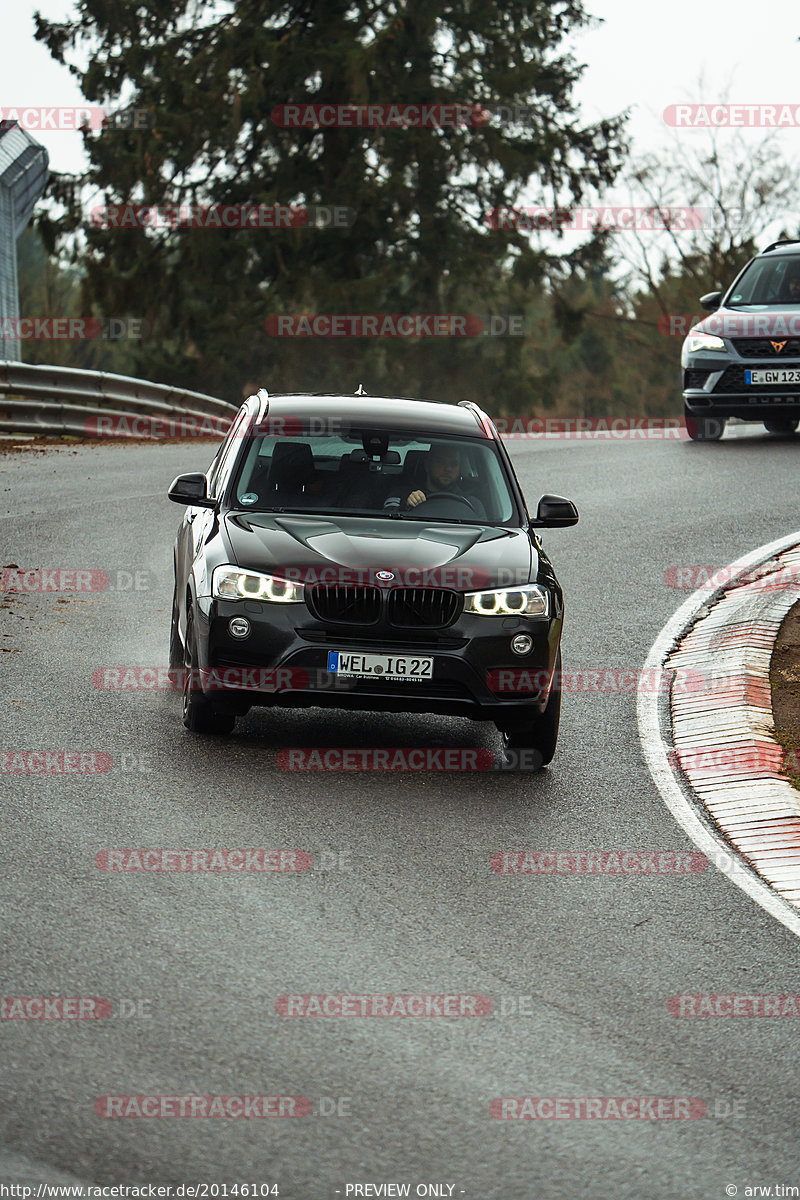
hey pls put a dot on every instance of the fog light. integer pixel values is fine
(522, 643)
(239, 627)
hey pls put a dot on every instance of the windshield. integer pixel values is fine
(375, 472)
(768, 281)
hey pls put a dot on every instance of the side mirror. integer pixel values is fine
(711, 301)
(191, 489)
(554, 512)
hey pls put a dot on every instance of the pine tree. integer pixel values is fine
(420, 241)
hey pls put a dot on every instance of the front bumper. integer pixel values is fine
(715, 396)
(284, 661)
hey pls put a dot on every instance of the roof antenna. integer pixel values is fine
(360, 390)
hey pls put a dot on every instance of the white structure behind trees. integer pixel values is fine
(23, 178)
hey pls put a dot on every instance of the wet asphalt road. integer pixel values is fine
(401, 898)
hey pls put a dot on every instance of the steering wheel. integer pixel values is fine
(448, 496)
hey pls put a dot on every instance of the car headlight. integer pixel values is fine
(528, 601)
(232, 583)
(703, 341)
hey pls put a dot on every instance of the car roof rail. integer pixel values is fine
(480, 416)
(782, 242)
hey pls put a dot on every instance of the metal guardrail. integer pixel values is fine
(65, 400)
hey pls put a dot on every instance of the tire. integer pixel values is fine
(704, 429)
(200, 714)
(175, 644)
(540, 735)
(784, 425)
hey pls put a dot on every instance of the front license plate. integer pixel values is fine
(783, 376)
(379, 666)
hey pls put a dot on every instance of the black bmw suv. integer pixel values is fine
(744, 360)
(369, 553)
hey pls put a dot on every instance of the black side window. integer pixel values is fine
(227, 454)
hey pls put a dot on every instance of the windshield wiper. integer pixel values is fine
(443, 520)
(310, 512)
(379, 514)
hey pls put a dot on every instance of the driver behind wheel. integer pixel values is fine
(442, 474)
(793, 282)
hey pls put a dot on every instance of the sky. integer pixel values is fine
(643, 57)
(647, 56)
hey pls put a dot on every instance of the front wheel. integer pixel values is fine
(540, 734)
(200, 714)
(782, 425)
(704, 429)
